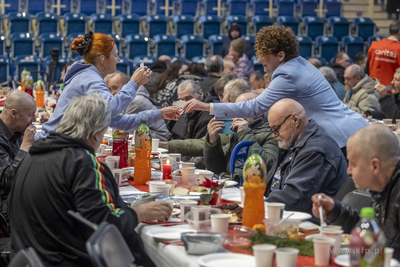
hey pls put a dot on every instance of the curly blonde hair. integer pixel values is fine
(273, 39)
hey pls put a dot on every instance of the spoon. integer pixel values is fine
(321, 214)
(284, 219)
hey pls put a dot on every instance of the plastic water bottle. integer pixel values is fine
(367, 242)
(29, 83)
(142, 172)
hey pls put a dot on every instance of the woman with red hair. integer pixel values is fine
(100, 54)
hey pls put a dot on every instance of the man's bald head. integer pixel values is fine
(18, 100)
(285, 107)
(315, 61)
(246, 96)
(375, 141)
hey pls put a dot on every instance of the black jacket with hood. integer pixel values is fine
(224, 50)
(60, 174)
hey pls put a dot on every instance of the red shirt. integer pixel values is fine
(384, 59)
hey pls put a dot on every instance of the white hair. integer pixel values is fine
(85, 117)
(329, 74)
(233, 89)
(185, 83)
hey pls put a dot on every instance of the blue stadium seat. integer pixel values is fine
(364, 27)
(314, 26)
(333, 7)
(102, 23)
(352, 45)
(261, 21)
(373, 38)
(327, 46)
(74, 23)
(187, 7)
(261, 7)
(136, 45)
(28, 62)
(237, 7)
(183, 59)
(199, 59)
(4, 70)
(118, 42)
(140, 7)
(339, 27)
(240, 20)
(147, 61)
(156, 24)
(215, 42)
(183, 24)
(159, 7)
(128, 24)
(289, 22)
(305, 46)
(164, 45)
(251, 41)
(192, 46)
(1, 24)
(308, 8)
(257, 66)
(46, 23)
(2, 44)
(72, 55)
(50, 41)
(210, 25)
(285, 8)
(62, 60)
(89, 7)
(21, 44)
(210, 7)
(125, 66)
(18, 22)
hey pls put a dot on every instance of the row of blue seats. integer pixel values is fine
(177, 7)
(183, 25)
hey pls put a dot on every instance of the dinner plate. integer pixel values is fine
(229, 183)
(296, 215)
(167, 234)
(175, 211)
(311, 237)
(344, 260)
(226, 259)
(160, 150)
(232, 198)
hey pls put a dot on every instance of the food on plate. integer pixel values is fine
(305, 247)
(197, 188)
(234, 209)
(146, 195)
(180, 191)
(346, 238)
(312, 229)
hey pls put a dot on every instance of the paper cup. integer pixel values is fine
(242, 195)
(388, 256)
(331, 227)
(154, 144)
(336, 234)
(185, 207)
(264, 255)
(220, 223)
(175, 160)
(204, 174)
(117, 173)
(286, 257)
(275, 210)
(164, 189)
(152, 185)
(323, 250)
(188, 171)
(187, 165)
(112, 162)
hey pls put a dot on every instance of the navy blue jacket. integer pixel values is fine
(314, 165)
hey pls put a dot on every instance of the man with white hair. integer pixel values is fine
(330, 76)
(193, 124)
(62, 173)
(360, 90)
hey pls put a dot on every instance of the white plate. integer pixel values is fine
(229, 183)
(167, 234)
(344, 260)
(296, 216)
(160, 150)
(311, 237)
(175, 211)
(232, 198)
(227, 259)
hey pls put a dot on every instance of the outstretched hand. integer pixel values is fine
(171, 113)
(195, 104)
(326, 202)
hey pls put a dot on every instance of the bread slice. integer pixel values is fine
(181, 191)
(312, 229)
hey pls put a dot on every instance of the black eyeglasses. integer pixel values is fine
(277, 128)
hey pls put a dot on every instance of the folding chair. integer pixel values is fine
(46, 23)
(235, 155)
(209, 25)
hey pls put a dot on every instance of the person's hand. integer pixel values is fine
(171, 113)
(163, 144)
(213, 127)
(240, 124)
(29, 138)
(155, 210)
(326, 202)
(195, 104)
(142, 76)
(381, 89)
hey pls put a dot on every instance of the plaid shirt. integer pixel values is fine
(10, 157)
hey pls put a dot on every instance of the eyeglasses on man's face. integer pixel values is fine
(275, 131)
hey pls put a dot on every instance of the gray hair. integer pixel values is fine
(233, 89)
(85, 116)
(356, 70)
(185, 83)
(123, 77)
(397, 70)
(214, 65)
(329, 74)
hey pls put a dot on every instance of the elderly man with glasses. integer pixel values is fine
(309, 160)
